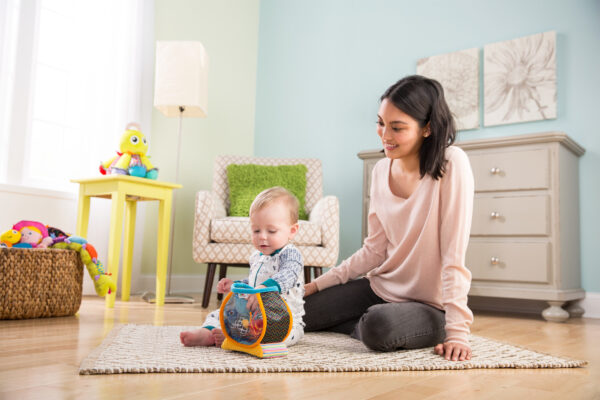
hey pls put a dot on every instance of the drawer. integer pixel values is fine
(511, 215)
(514, 170)
(509, 261)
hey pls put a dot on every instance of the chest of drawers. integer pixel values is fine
(524, 240)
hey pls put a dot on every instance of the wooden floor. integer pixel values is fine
(39, 359)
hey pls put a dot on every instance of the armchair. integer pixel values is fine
(226, 241)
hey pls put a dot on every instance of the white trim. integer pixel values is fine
(591, 305)
(38, 192)
(195, 284)
(180, 283)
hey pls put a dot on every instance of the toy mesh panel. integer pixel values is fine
(278, 317)
(236, 319)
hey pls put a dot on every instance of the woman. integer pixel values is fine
(414, 294)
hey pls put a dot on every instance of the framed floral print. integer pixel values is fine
(458, 73)
(519, 80)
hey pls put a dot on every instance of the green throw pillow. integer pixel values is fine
(248, 180)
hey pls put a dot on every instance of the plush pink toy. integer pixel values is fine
(33, 233)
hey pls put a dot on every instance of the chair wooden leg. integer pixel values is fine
(210, 276)
(222, 274)
(307, 274)
(318, 272)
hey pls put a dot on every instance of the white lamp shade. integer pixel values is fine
(181, 78)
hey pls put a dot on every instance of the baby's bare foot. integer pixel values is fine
(218, 336)
(199, 337)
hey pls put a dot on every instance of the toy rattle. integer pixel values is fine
(260, 332)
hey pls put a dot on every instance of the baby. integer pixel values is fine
(275, 263)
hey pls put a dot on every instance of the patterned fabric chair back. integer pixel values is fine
(314, 177)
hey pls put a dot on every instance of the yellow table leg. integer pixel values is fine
(83, 213)
(162, 251)
(130, 212)
(114, 241)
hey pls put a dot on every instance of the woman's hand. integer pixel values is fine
(310, 288)
(453, 351)
(224, 285)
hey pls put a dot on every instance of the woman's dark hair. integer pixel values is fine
(423, 99)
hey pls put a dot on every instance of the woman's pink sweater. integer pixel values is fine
(415, 250)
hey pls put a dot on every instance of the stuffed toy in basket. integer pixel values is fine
(260, 332)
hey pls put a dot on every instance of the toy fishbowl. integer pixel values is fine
(260, 332)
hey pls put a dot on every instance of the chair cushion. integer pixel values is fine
(248, 180)
(237, 230)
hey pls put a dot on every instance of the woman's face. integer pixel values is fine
(400, 133)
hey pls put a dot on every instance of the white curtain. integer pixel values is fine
(82, 72)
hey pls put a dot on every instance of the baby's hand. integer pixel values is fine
(253, 300)
(224, 285)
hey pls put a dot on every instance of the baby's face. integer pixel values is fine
(271, 227)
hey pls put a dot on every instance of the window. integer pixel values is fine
(73, 73)
(9, 11)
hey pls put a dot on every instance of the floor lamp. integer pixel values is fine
(180, 90)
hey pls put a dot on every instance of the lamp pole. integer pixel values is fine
(150, 297)
(171, 240)
(180, 87)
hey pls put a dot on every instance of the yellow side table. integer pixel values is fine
(125, 191)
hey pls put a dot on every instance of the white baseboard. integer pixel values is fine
(195, 284)
(590, 305)
(181, 283)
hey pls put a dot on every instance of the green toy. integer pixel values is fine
(103, 282)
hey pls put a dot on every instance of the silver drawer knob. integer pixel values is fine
(495, 215)
(494, 260)
(495, 170)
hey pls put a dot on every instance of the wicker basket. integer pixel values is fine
(38, 283)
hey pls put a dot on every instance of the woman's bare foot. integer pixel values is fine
(218, 336)
(199, 337)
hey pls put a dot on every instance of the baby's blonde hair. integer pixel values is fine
(269, 196)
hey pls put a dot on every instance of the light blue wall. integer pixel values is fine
(322, 65)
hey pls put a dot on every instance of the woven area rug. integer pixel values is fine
(147, 348)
